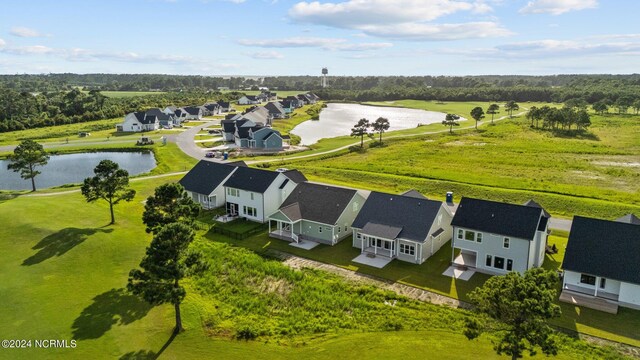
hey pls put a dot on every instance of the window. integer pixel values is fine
(603, 283)
(358, 236)
(488, 262)
(339, 229)
(498, 263)
(345, 228)
(250, 211)
(469, 235)
(251, 196)
(460, 233)
(587, 279)
(355, 206)
(509, 264)
(505, 243)
(407, 249)
(319, 229)
(232, 192)
(479, 237)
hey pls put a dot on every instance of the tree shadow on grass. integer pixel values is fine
(59, 243)
(115, 306)
(148, 354)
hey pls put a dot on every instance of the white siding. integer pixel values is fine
(630, 295)
(492, 244)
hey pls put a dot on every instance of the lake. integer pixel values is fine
(338, 119)
(74, 168)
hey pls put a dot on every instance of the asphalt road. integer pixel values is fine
(185, 141)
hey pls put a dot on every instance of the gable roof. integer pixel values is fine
(295, 176)
(228, 126)
(629, 219)
(274, 108)
(380, 230)
(193, 110)
(413, 193)
(610, 249)
(223, 104)
(251, 179)
(414, 216)
(258, 114)
(316, 202)
(154, 112)
(206, 176)
(149, 119)
(211, 106)
(518, 221)
(139, 115)
(534, 204)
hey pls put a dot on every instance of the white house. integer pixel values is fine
(138, 121)
(254, 194)
(496, 238)
(408, 228)
(602, 263)
(248, 100)
(193, 113)
(204, 182)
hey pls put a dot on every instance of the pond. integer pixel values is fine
(74, 168)
(338, 119)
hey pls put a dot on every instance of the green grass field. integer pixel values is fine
(63, 274)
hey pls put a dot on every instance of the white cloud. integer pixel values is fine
(557, 7)
(21, 31)
(437, 32)
(2, 43)
(28, 50)
(265, 55)
(551, 48)
(314, 42)
(400, 19)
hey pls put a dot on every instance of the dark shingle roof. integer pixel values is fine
(498, 218)
(193, 110)
(413, 193)
(604, 248)
(140, 115)
(149, 119)
(206, 176)
(629, 219)
(228, 126)
(296, 176)
(380, 230)
(536, 205)
(274, 108)
(155, 112)
(316, 202)
(223, 104)
(413, 215)
(211, 107)
(251, 179)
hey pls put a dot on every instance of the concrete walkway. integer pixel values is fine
(297, 262)
(560, 224)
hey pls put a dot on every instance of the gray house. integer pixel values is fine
(602, 263)
(495, 237)
(408, 228)
(276, 110)
(204, 182)
(316, 212)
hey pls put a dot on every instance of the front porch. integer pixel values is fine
(580, 296)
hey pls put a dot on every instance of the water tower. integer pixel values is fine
(323, 79)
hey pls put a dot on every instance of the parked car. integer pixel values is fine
(210, 154)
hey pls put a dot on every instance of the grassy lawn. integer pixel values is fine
(63, 277)
(239, 225)
(462, 108)
(621, 327)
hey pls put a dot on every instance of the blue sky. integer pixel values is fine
(350, 37)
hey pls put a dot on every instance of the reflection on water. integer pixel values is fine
(338, 119)
(74, 168)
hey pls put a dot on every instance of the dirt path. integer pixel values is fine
(297, 262)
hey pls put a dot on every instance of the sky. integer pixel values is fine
(349, 37)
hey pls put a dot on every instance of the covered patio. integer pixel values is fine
(580, 298)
